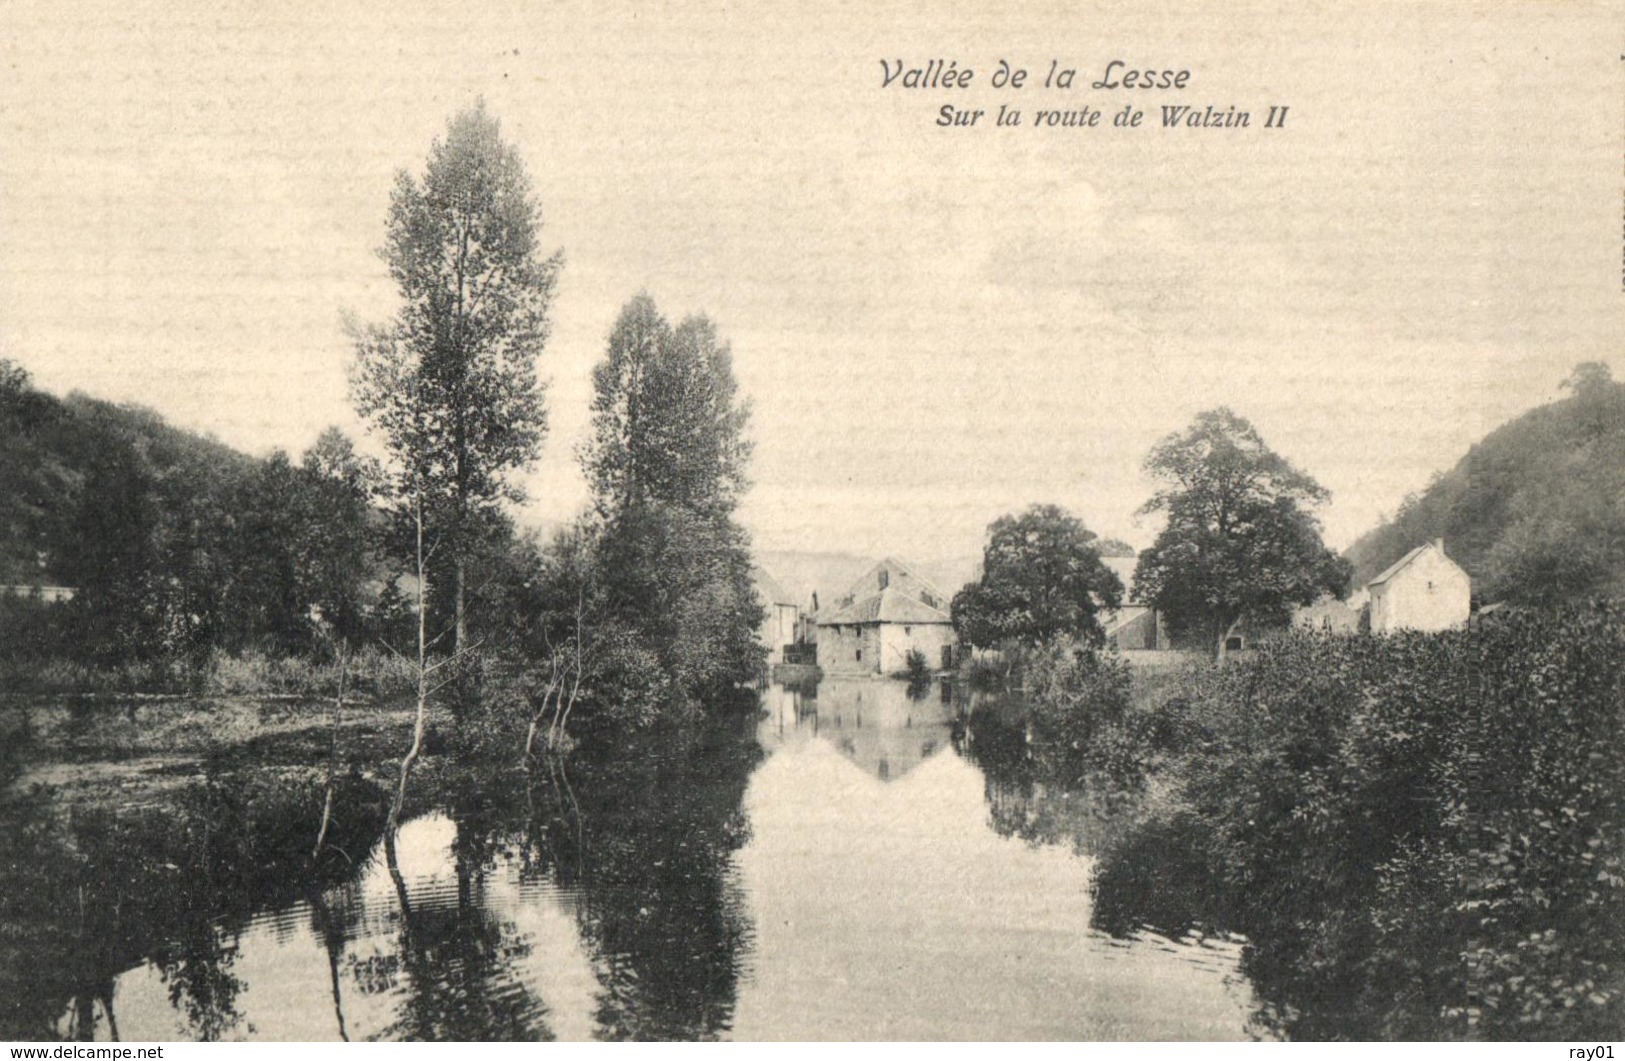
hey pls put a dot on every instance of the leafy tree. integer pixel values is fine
(13, 384)
(299, 549)
(1589, 378)
(338, 548)
(1041, 578)
(668, 425)
(667, 463)
(111, 557)
(451, 383)
(1240, 542)
(27, 477)
(1116, 547)
(682, 582)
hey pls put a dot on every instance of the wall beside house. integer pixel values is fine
(780, 617)
(1328, 615)
(1134, 628)
(779, 630)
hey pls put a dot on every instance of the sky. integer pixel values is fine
(934, 326)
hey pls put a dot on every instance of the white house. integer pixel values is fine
(1424, 590)
(778, 629)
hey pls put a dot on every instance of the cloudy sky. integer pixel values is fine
(935, 325)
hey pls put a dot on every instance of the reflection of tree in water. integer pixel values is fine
(90, 894)
(197, 969)
(458, 957)
(335, 918)
(1030, 795)
(647, 834)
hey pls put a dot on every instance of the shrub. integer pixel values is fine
(1419, 834)
(1082, 710)
(916, 668)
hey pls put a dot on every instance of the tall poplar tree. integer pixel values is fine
(451, 382)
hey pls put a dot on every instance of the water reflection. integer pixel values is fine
(887, 908)
(1030, 797)
(884, 727)
(859, 860)
(90, 896)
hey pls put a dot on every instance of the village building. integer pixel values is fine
(889, 612)
(1328, 615)
(1135, 626)
(778, 632)
(1424, 590)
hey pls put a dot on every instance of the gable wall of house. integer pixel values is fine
(779, 629)
(1429, 593)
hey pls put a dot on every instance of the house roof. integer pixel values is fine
(1400, 564)
(890, 605)
(768, 588)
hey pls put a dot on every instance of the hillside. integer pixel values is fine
(68, 464)
(174, 544)
(1535, 512)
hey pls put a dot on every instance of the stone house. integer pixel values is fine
(888, 612)
(1423, 590)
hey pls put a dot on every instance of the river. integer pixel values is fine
(856, 862)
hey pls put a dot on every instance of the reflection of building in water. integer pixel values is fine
(875, 724)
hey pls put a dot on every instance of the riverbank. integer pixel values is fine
(133, 750)
(1418, 834)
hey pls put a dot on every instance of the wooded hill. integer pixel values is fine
(1535, 512)
(171, 540)
(62, 460)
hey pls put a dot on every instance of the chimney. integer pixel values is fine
(1438, 543)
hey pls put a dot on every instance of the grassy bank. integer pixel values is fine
(107, 751)
(370, 672)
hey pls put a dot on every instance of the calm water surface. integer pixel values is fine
(857, 864)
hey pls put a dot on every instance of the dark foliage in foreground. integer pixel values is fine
(1420, 835)
(102, 892)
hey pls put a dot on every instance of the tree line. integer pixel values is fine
(181, 549)
(1240, 542)
(1530, 513)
